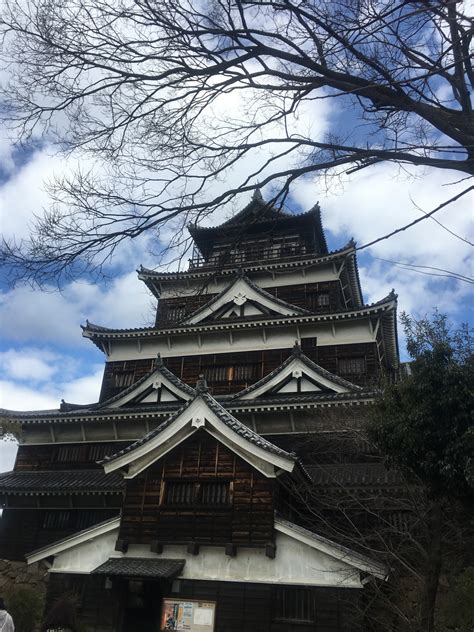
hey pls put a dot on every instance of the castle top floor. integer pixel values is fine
(260, 232)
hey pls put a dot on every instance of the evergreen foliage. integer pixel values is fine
(424, 423)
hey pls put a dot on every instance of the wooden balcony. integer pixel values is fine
(246, 255)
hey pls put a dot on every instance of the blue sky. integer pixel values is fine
(42, 353)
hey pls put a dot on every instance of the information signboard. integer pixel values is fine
(188, 615)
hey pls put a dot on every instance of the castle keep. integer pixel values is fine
(172, 502)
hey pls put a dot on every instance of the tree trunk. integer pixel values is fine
(433, 569)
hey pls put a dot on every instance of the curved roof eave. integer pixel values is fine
(97, 333)
(97, 414)
(149, 276)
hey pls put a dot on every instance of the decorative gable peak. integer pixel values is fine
(160, 385)
(242, 299)
(298, 375)
(201, 414)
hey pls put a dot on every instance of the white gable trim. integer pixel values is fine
(310, 561)
(154, 381)
(239, 293)
(296, 368)
(88, 535)
(332, 549)
(194, 417)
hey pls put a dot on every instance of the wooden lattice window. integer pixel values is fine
(176, 313)
(122, 379)
(237, 373)
(215, 493)
(67, 453)
(317, 300)
(56, 519)
(294, 603)
(352, 366)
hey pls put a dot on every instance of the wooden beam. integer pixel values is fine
(156, 546)
(231, 549)
(193, 548)
(121, 546)
(270, 550)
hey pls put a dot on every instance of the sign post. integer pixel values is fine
(188, 615)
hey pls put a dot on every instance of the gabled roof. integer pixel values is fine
(203, 413)
(329, 547)
(96, 332)
(242, 298)
(258, 213)
(158, 385)
(85, 535)
(315, 561)
(297, 375)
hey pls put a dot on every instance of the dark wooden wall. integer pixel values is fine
(304, 295)
(98, 608)
(123, 372)
(188, 368)
(73, 456)
(22, 529)
(240, 607)
(246, 521)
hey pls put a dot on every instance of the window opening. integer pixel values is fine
(123, 379)
(56, 520)
(351, 366)
(202, 493)
(317, 300)
(294, 603)
(237, 373)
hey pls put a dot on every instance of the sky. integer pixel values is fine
(44, 358)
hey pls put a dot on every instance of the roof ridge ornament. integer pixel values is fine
(297, 351)
(257, 195)
(158, 361)
(201, 384)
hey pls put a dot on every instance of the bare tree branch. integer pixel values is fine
(183, 106)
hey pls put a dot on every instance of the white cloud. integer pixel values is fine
(7, 163)
(29, 364)
(375, 202)
(79, 390)
(24, 194)
(47, 395)
(55, 317)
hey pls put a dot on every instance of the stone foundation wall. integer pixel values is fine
(20, 574)
(23, 586)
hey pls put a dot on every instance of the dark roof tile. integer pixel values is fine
(138, 567)
(62, 481)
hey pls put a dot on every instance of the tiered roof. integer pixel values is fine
(134, 401)
(346, 256)
(263, 216)
(385, 307)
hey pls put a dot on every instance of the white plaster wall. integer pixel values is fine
(280, 278)
(342, 332)
(295, 563)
